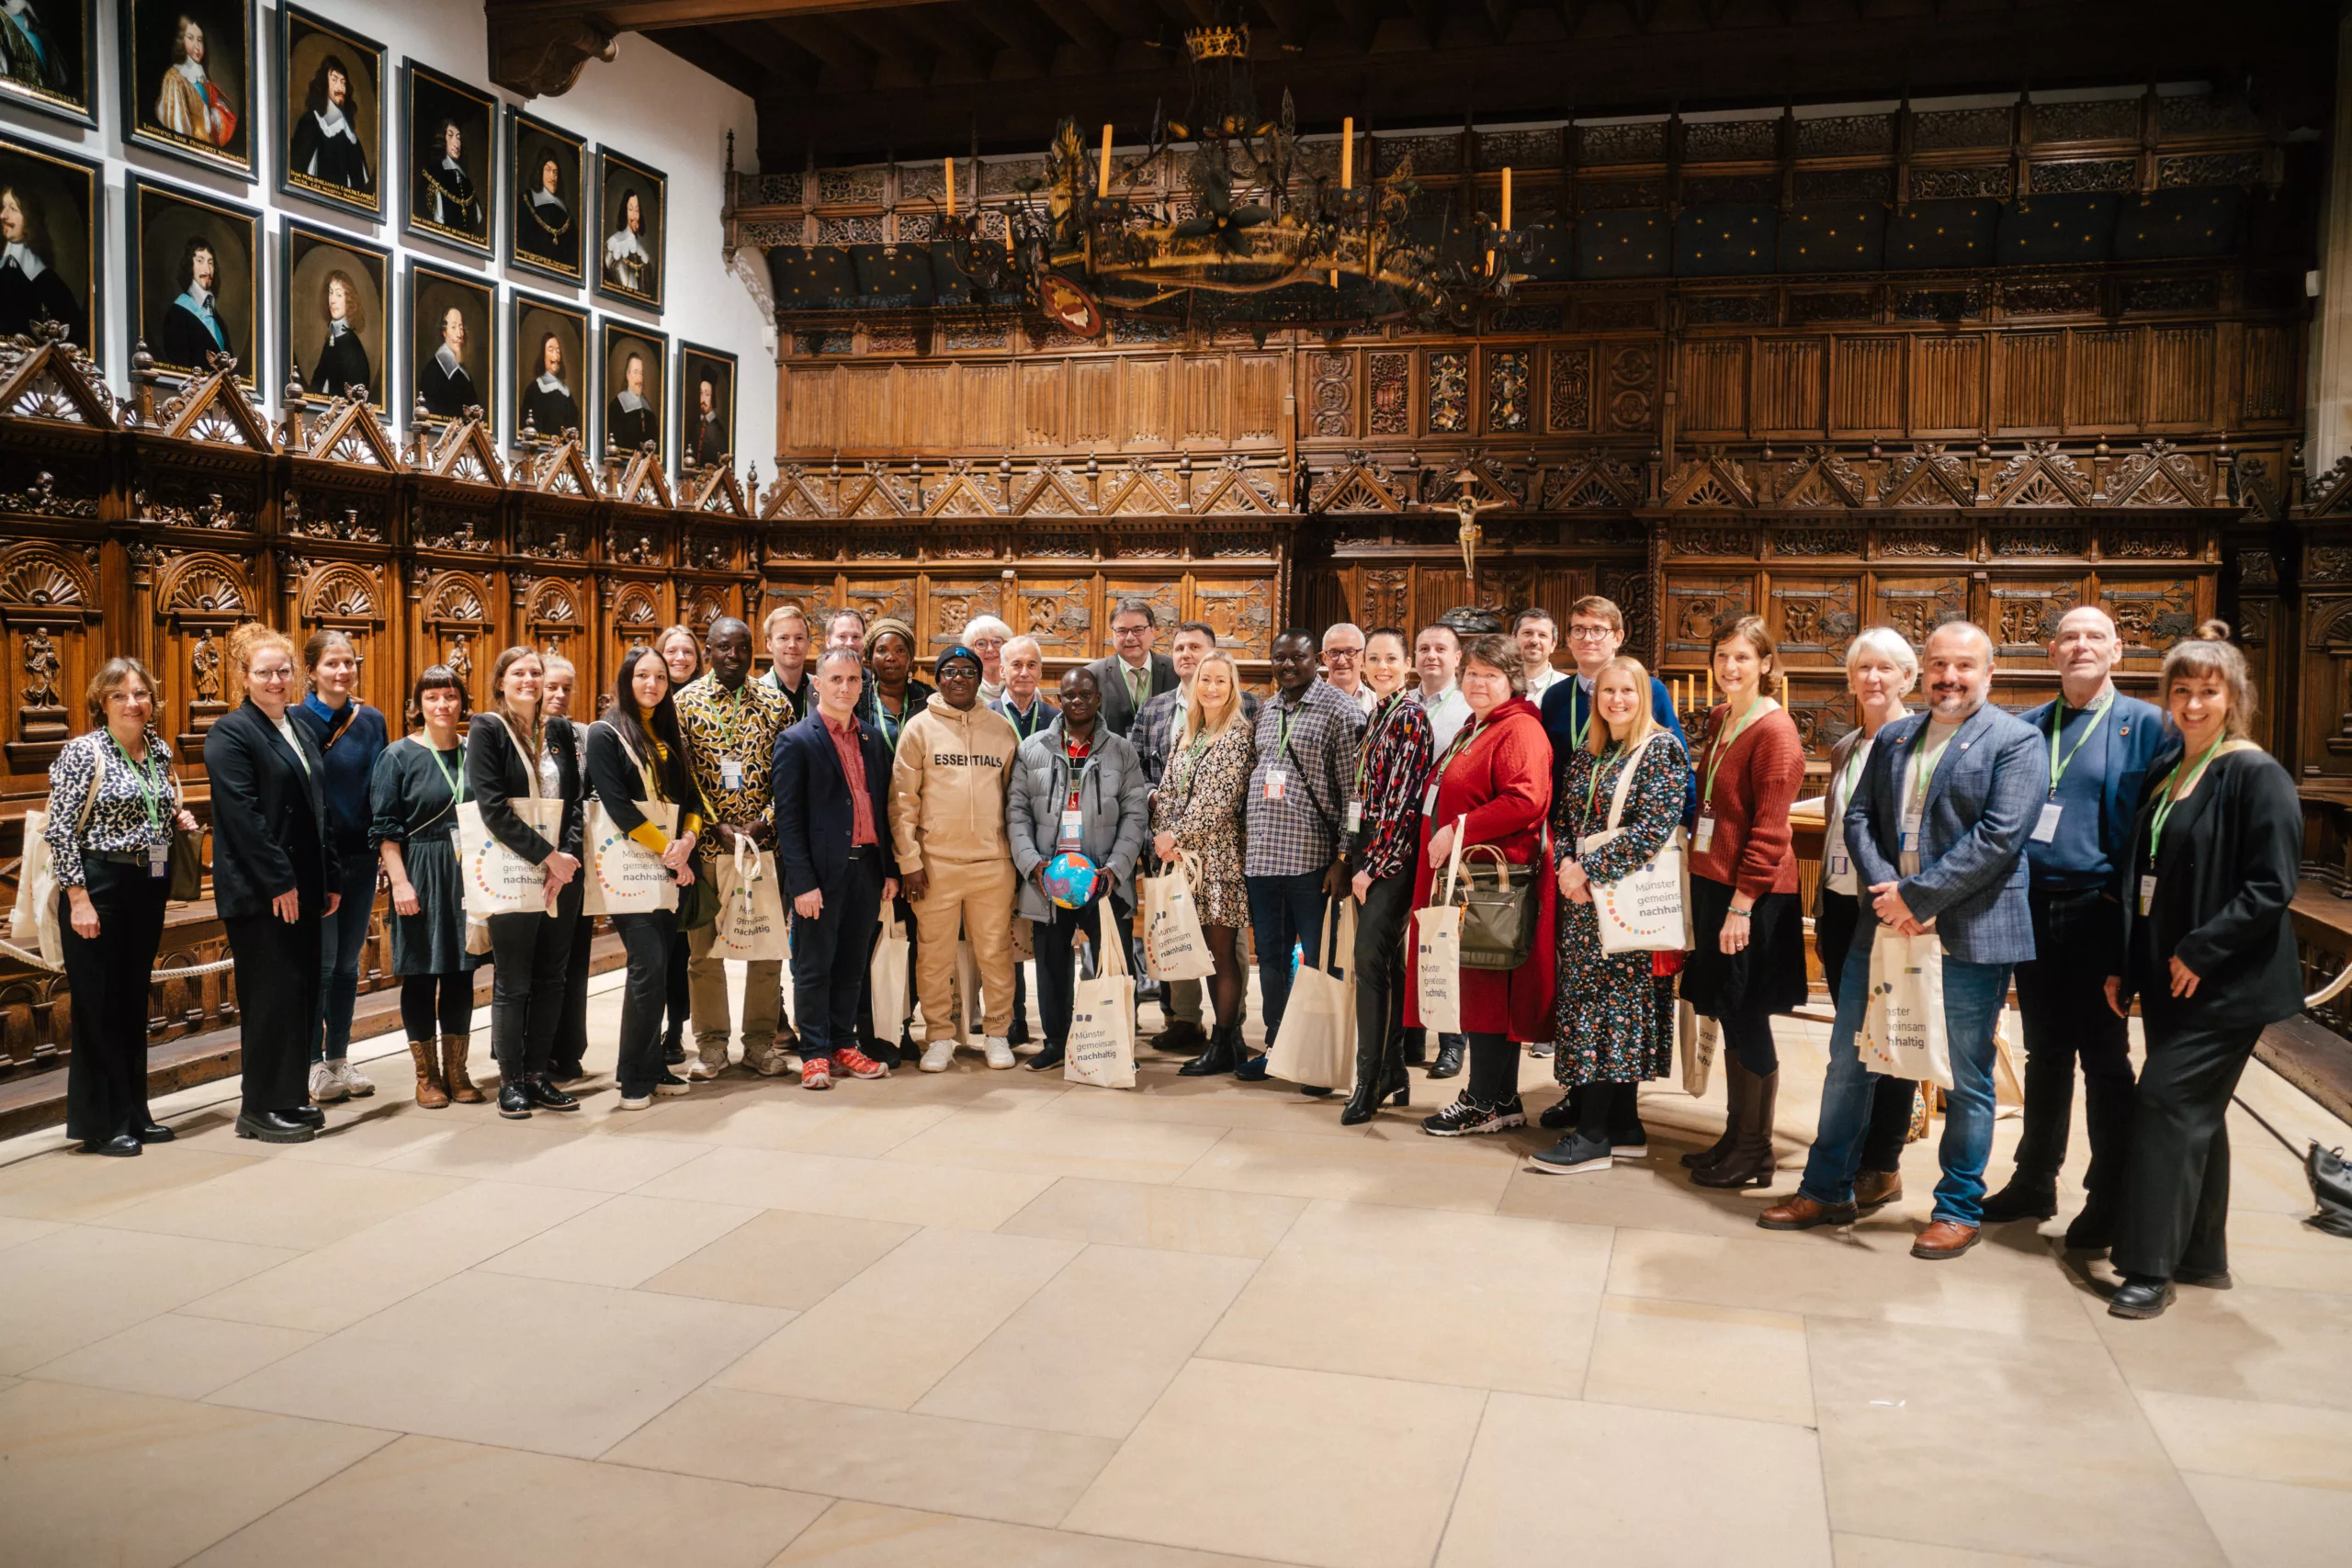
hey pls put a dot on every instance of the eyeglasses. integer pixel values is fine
(1335, 653)
(284, 674)
(1590, 633)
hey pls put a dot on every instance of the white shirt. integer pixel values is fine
(552, 384)
(1363, 696)
(1833, 819)
(1542, 681)
(1930, 749)
(332, 123)
(1448, 711)
(630, 402)
(21, 256)
(624, 245)
(286, 728)
(447, 360)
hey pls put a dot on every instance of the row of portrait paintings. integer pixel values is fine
(194, 279)
(188, 71)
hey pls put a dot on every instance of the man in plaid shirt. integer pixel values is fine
(1296, 812)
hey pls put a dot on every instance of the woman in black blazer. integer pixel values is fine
(511, 752)
(274, 876)
(2210, 951)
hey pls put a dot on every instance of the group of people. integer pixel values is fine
(2093, 851)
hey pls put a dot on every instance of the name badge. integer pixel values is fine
(1277, 779)
(1911, 835)
(1073, 825)
(1839, 865)
(1355, 816)
(1706, 834)
(731, 772)
(2046, 829)
(159, 859)
(2147, 893)
(1429, 801)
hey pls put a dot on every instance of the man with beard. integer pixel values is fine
(448, 389)
(632, 420)
(191, 330)
(30, 289)
(627, 263)
(342, 363)
(326, 150)
(189, 105)
(445, 197)
(544, 225)
(710, 444)
(548, 406)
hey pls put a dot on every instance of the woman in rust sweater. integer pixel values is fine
(1493, 785)
(1745, 919)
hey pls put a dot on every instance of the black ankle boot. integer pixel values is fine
(1449, 1058)
(1224, 1044)
(1733, 1074)
(2030, 1195)
(1380, 1075)
(544, 1094)
(515, 1099)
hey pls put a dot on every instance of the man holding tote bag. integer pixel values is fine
(1938, 829)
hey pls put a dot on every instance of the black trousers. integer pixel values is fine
(1379, 962)
(1057, 961)
(831, 956)
(277, 1002)
(2174, 1198)
(1891, 1099)
(532, 958)
(680, 1005)
(106, 1078)
(1494, 1068)
(648, 938)
(2062, 999)
(571, 1040)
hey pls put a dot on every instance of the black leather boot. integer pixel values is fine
(1449, 1057)
(1225, 1044)
(1380, 1075)
(1733, 1074)
(544, 1094)
(2030, 1195)
(1750, 1162)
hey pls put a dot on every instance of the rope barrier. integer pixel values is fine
(189, 972)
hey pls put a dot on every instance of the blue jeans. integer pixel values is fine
(1284, 911)
(1972, 997)
(343, 941)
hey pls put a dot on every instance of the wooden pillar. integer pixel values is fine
(2329, 424)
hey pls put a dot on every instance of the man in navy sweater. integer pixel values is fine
(2103, 748)
(1596, 631)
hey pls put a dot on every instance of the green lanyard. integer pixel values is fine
(151, 790)
(1382, 717)
(1461, 744)
(1924, 770)
(1593, 786)
(1580, 727)
(454, 777)
(1853, 770)
(882, 721)
(2164, 798)
(1723, 744)
(2057, 768)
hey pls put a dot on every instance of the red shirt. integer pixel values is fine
(850, 747)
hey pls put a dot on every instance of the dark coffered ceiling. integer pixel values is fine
(848, 79)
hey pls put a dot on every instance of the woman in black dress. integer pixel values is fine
(274, 879)
(2209, 952)
(512, 752)
(418, 785)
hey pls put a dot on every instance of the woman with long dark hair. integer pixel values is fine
(556, 691)
(511, 753)
(635, 757)
(350, 736)
(419, 783)
(681, 652)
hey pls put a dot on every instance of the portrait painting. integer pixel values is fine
(447, 176)
(49, 232)
(633, 213)
(551, 360)
(46, 50)
(195, 270)
(334, 295)
(705, 407)
(635, 364)
(188, 88)
(331, 99)
(543, 205)
(451, 342)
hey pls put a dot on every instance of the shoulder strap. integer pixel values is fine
(528, 758)
(626, 749)
(1625, 775)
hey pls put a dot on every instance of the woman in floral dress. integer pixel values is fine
(1612, 1036)
(1196, 820)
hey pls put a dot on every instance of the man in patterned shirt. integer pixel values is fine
(1294, 812)
(729, 723)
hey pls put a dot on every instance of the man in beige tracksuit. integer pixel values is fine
(947, 793)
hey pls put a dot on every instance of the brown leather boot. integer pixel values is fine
(430, 1092)
(1802, 1214)
(455, 1048)
(1944, 1239)
(1733, 1074)
(1876, 1189)
(1751, 1162)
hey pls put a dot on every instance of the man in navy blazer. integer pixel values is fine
(2103, 748)
(1596, 631)
(1938, 828)
(830, 781)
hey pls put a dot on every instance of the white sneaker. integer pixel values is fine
(359, 1084)
(326, 1088)
(634, 1102)
(999, 1054)
(695, 1069)
(938, 1055)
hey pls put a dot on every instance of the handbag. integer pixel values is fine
(1317, 1042)
(1497, 926)
(1648, 908)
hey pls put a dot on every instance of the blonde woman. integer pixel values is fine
(1196, 818)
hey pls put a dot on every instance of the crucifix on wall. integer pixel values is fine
(1467, 532)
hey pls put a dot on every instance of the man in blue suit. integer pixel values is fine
(2103, 748)
(1938, 829)
(1596, 631)
(830, 781)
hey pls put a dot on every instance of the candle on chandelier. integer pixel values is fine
(1506, 195)
(1347, 154)
(951, 187)
(1103, 185)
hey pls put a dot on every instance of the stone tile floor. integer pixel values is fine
(992, 1318)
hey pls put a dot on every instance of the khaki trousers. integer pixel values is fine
(706, 992)
(974, 897)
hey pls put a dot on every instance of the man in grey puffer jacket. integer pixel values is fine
(1074, 787)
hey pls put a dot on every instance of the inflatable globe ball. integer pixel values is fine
(1071, 880)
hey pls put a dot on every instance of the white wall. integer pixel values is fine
(648, 105)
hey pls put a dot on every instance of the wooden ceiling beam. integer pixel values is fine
(1024, 28)
(889, 39)
(819, 37)
(1092, 35)
(960, 43)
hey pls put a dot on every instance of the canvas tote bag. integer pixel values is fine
(624, 877)
(1647, 910)
(1316, 1043)
(498, 881)
(887, 974)
(1902, 1026)
(34, 924)
(751, 910)
(1175, 947)
(1437, 968)
(1101, 1045)
(1698, 1041)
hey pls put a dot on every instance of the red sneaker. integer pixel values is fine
(857, 1064)
(816, 1072)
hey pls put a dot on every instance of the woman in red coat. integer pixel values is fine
(1493, 785)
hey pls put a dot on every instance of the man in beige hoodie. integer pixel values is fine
(947, 793)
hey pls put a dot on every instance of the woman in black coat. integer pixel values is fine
(512, 752)
(2210, 951)
(274, 876)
